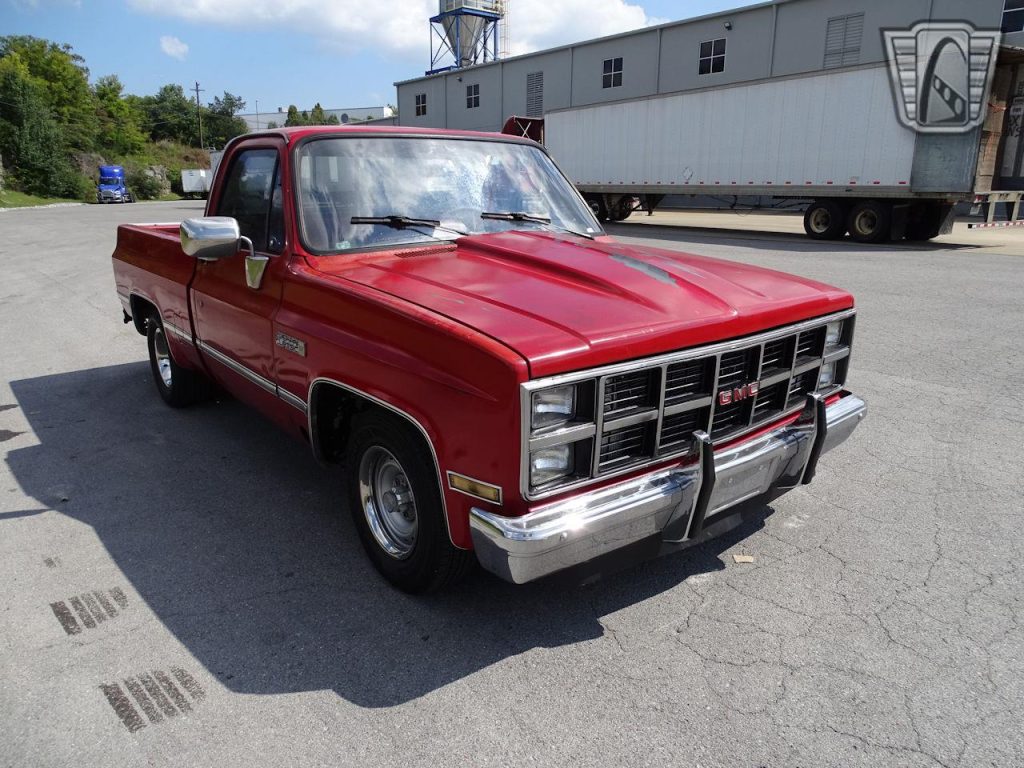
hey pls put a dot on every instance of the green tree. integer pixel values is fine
(32, 145)
(120, 119)
(317, 116)
(171, 115)
(63, 84)
(294, 118)
(220, 121)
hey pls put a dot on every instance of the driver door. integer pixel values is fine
(233, 320)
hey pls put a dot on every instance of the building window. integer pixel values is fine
(472, 96)
(712, 56)
(842, 40)
(421, 104)
(1013, 16)
(612, 77)
(535, 94)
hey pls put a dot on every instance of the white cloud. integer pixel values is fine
(174, 47)
(400, 26)
(537, 24)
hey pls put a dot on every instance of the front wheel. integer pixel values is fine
(395, 502)
(177, 386)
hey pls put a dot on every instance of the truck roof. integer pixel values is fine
(302, 132)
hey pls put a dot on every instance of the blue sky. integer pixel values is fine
(342, 53)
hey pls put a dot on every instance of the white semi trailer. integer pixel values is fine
(831, 139)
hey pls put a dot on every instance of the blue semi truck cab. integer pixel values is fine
(112, 188)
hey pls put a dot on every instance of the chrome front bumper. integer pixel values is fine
(674, 503)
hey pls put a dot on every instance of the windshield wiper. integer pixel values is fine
(406, 222)
(532, 218)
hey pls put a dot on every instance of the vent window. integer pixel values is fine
(842, 40)
(535, 94)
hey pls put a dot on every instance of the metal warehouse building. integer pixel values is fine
(785, 38)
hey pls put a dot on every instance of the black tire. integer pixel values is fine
(622, 209)
(177, 386)
(597, 205)
(424, 560)
(870, 221)
(924, 222)
(825, 220)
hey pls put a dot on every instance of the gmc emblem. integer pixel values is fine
(727, 396)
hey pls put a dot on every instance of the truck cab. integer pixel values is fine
(111, 187)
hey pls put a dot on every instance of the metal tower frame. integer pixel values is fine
(485, 50)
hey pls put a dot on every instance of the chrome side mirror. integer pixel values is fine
(210, 237)
(216, 237)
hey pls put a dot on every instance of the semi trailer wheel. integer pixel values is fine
(623, 208)
(924, 221)
(870, 221)
(395, 500)
(825, 220)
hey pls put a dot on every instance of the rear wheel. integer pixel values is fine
(396, 506)
(924, 221)
(177, 386)
(622, 208)
(597, 205)
(870, 221)
(825, 220)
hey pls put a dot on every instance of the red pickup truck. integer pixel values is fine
(441, 314)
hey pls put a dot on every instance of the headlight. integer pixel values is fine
(827, 375)
(549, 464)
(553, 406)
(833, 334)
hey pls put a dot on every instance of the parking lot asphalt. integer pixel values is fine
(878, 625)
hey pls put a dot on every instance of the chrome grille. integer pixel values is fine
(778, 356)
(677, 430)
(810, 343)
(627, 392)
(630, 415)
(625, 446)
(688, 379)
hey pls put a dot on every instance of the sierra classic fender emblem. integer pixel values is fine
(737, 394)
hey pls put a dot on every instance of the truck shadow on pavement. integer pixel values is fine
(234, 538)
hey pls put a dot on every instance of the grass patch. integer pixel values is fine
(12, 199)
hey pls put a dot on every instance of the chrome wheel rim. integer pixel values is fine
(163, 356)
(820, 220)
(388, 502)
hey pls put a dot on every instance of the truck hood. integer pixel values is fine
(565, 303)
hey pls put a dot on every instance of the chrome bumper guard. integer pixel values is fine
(673, 502)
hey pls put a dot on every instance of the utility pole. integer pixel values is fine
(199, 111)
(257, 114)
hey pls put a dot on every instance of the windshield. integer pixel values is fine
(109, 180)
(450, 181)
